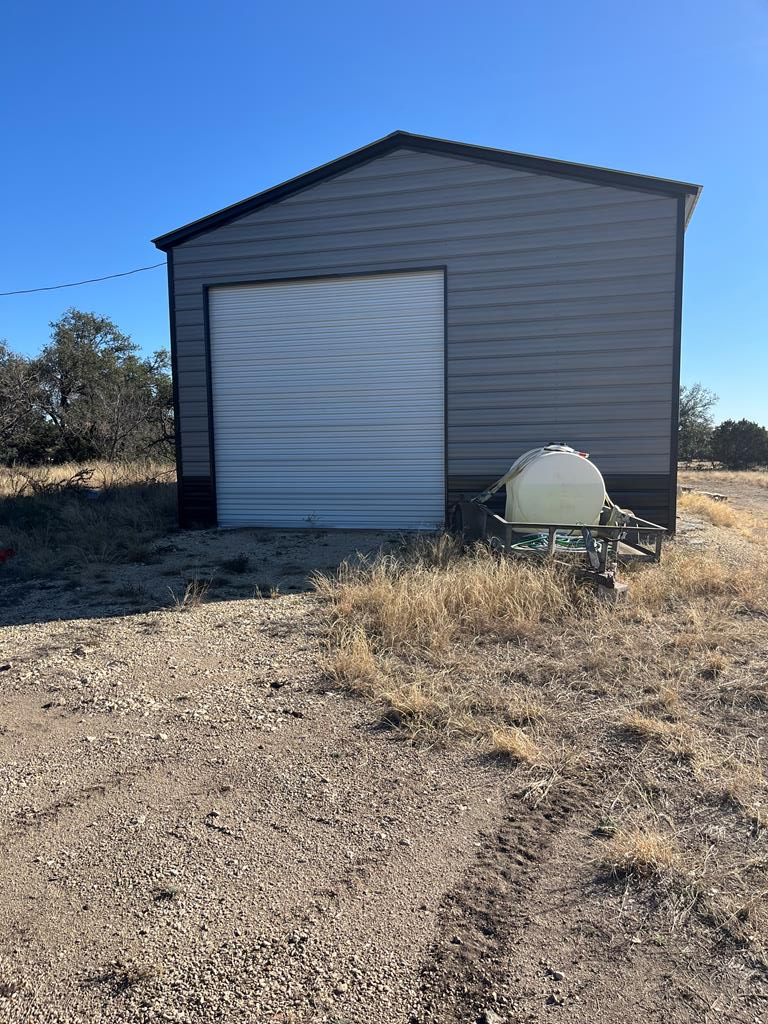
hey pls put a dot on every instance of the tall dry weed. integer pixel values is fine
(687, 573)
(426, 604)
(21, 481)
(720, 513)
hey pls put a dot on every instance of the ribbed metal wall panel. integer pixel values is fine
(560, 296)
(328, 402)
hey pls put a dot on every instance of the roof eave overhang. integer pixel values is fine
(423, 143)
(690, 203)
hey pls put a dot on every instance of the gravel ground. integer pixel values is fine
(194, 829)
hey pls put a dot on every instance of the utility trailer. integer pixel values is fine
(602, 547)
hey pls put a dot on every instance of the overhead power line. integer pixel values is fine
(90, 280)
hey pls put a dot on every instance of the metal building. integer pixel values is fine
(358, 346)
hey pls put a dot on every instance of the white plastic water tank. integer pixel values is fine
(554, 485)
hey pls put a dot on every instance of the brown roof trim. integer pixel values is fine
(426, 144)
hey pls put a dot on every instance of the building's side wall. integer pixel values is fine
(561, 308)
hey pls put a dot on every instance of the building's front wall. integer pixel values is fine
(561, 303)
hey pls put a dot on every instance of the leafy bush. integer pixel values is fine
(740, 444)
(695, 422)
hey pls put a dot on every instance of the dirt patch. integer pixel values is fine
(215, 565)
(194, 827)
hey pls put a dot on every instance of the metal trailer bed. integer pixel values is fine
(633, 540)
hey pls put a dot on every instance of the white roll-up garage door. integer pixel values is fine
(328, 401)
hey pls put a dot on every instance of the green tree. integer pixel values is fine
(740, 444)
(24, 430)
(695, 422)
(89, 394)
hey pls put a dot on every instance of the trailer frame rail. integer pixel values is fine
(605, 547)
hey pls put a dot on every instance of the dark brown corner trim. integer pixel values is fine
(197, 501)
(180, 510)
(676, 354)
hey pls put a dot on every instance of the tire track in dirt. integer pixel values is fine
(480, 920)
(530, 931)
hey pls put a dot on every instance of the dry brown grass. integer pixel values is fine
(513, 743)
(434, 704)
(687, 575)
(689, 868)
(412, 603)
(59, 519)
(646, 704)
(737, 776)
(21, 481)
(745, 691)
(720, 513)
(409, 610)
(664, 700)
(193, 597)
(677, 738)
(705, 478)
(352, 664)
(641, 853)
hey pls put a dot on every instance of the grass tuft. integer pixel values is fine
(352, 665)
(512, 743)
(719, 513)
(643, 853)
(675, 737)
(193, 596)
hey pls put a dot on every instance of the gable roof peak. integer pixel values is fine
(425, 143)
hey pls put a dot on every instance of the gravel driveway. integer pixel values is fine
(195, 829)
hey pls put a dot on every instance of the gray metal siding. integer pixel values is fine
(560, 300)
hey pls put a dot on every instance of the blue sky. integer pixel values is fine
(123, 121)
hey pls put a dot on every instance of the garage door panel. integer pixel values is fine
(328, 401)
